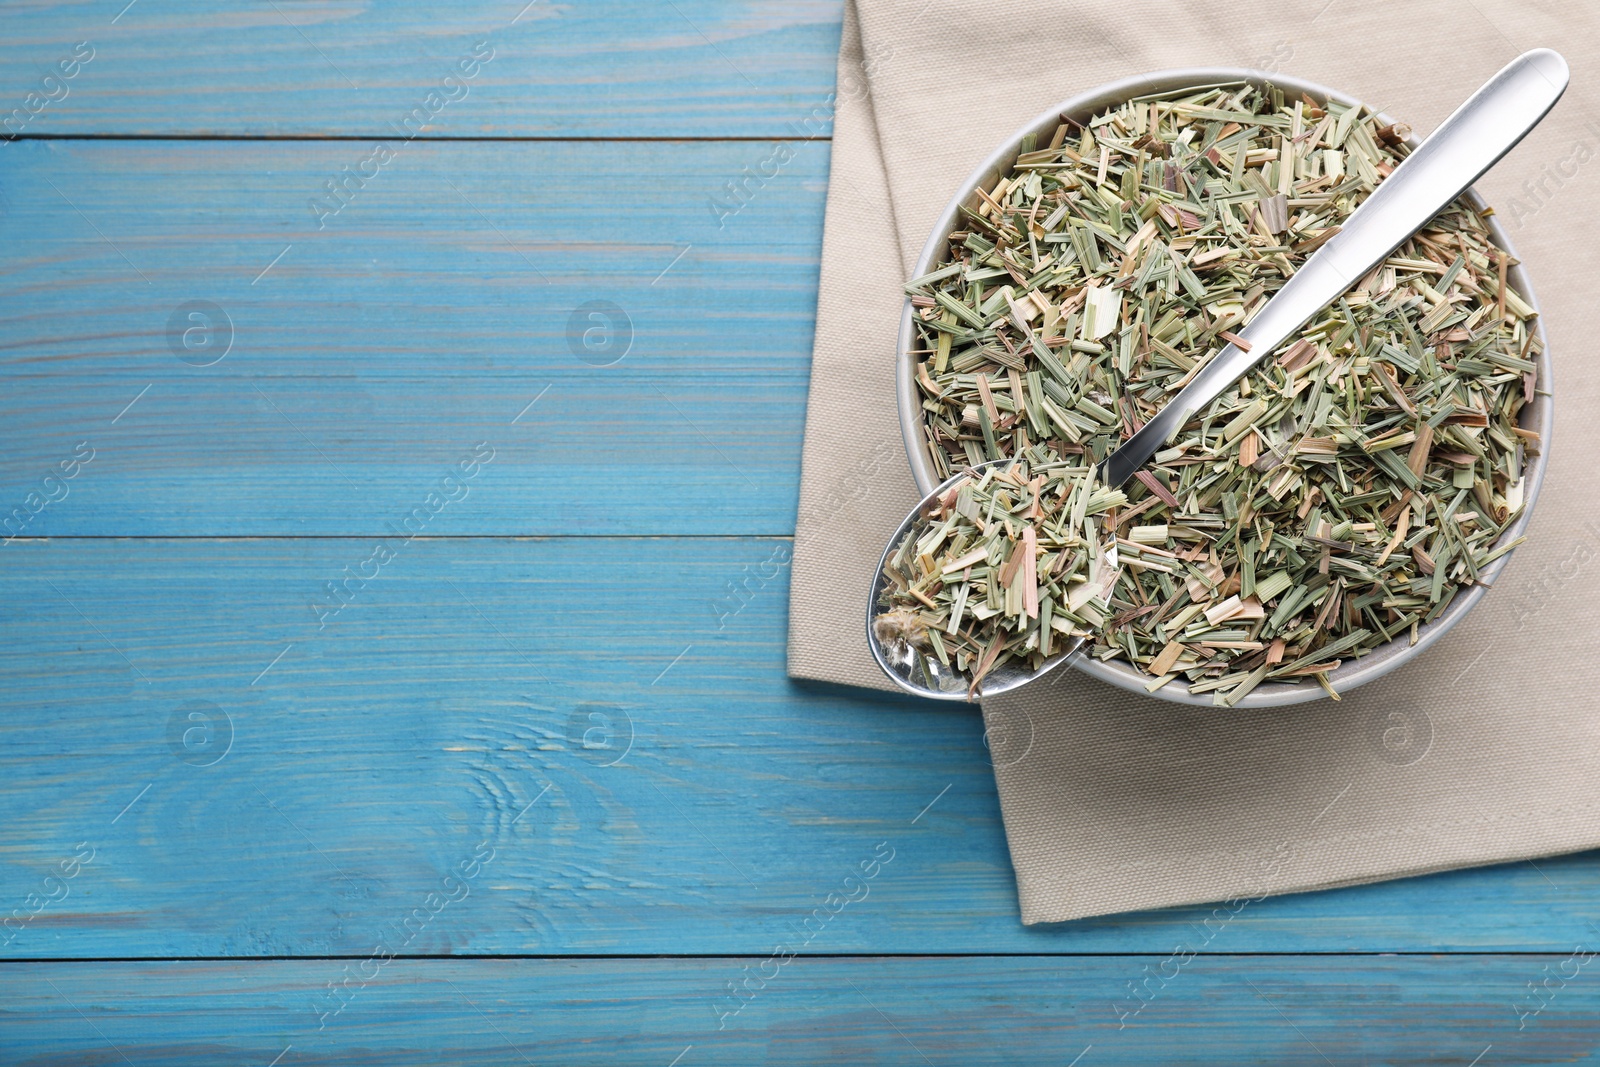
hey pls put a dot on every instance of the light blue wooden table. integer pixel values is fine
(374, 685)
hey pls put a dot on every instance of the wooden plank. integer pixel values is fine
(307, 68)
(451, 292)
(987, 1009)
(474, 691)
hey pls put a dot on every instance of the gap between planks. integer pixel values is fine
(420, 537)
(492, 956)
(358, 137)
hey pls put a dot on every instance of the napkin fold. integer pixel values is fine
(1480, 752)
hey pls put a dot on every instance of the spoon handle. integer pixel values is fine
(1473, 139)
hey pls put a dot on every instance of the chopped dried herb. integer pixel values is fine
(1007, 563)
(1335, 499)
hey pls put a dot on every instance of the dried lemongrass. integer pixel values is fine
(1335, 499)
(1006, 564)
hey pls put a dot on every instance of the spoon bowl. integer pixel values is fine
(920, 673)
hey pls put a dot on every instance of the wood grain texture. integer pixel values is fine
(318, 68)
(426, 316)
(358, 764)
(985, 1010)
(582, 746)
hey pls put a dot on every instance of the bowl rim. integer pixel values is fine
(1538, 414)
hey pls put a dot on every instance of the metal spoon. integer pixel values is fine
(1473, 139)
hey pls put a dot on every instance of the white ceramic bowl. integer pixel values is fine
(1536, 415)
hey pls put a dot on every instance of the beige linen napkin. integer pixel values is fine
(1483, 750)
